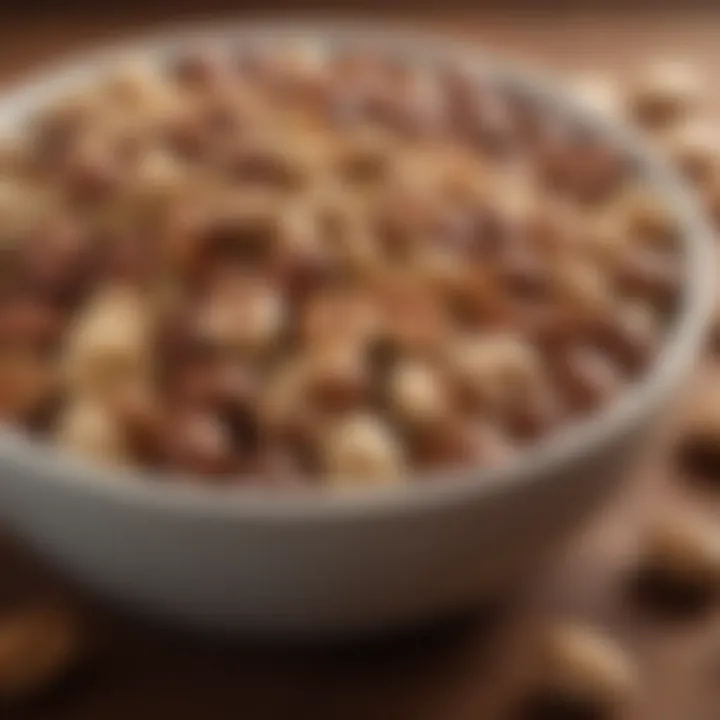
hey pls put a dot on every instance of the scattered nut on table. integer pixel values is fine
(663, 92)
(37, 646)
(681, 554)
(694, 148)
(698, 451)
(581, 670)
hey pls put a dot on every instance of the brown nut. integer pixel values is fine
(363, 450)
(663, 92)
(681, 551)
(198, 443)
(699, 444)
(694, 148)
(139, 414)
(652, 277)
(90, 429)
(630, 334)
(417, 394)
(93, 173)
(582, 284)
(583, 668)
(30, 324)
(108, 345)
(586, 378)
(285, 410)
(242, 314)
(27, 383)
(158, 177)
(337, 376)
(339, 317)
(54, 261)
(462, 442)
(37, 647)
(268, 164)
(648, 216)
(495, 370)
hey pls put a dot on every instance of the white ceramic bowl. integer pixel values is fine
(332, 563)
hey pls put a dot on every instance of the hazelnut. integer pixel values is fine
(630, 334)
(651, 276)
(462, 442)
(648, 216)
(682, 551)
(699, 450)
(366, 159)
(108, 344)
(199, 443)
(284, 407)
(134, 86)
(55, 263)
(608, 236)
(268, 164)
(29, 324)
(158, 177)
(417, 394)
(37, 646)
(90, 429)
(138, 412)
(582, 284)
(199, 70)
(497, 370)
(581, 667)
(413, 321)
(663, 92)
(694, 148)
(362, 449)
(93, 174)
(338, 376)
(242, 314)
(337, 316)
(586, 377)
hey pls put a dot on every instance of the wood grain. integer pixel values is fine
(462, 670)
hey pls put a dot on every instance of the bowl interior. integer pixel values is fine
(42, 464)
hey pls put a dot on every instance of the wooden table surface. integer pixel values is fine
(454, 672)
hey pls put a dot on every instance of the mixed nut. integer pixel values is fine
(315, 266)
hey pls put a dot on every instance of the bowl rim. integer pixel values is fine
(39, 463)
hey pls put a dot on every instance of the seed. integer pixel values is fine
(37, 647)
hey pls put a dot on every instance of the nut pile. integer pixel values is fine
(343, 268)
